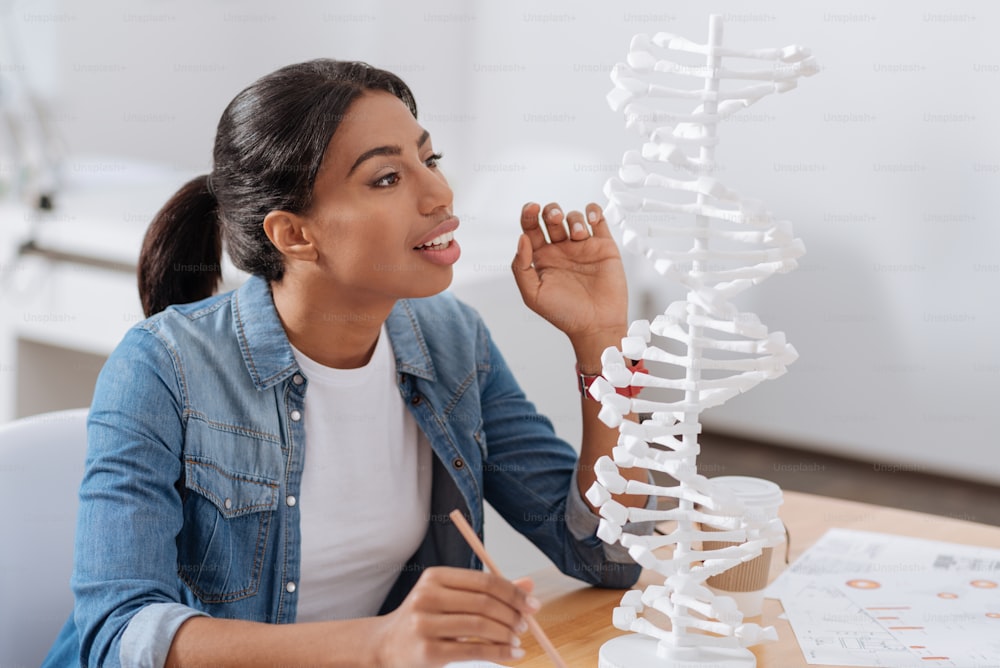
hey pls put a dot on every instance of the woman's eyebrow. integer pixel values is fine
(386, 150)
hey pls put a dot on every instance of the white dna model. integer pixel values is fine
(716, 244)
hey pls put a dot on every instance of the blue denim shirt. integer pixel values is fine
(195, 458)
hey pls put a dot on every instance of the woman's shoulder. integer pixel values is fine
(178, 325)
(190, 317)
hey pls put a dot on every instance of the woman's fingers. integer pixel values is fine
(469, 614)
(560, 226)
(460, 589)
(553, 217)
(456, 602)
(462, 650)
(471, 628)
(457, 614)
(527, 585)
(421, 650)
(598, 225)
(577, 229)
(530, 226)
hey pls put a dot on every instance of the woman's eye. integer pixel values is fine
(392, 178)
(389, 179)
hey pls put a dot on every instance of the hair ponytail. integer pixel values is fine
(182, 251)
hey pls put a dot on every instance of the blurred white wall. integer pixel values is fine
(887, 162)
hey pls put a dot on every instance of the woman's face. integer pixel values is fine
(381, 212)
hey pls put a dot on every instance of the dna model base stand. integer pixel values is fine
(636, 651)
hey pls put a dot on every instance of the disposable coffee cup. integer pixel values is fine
(745, 582)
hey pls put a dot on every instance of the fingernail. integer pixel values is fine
(522, 626)
(516, 642)
(578, 227)
(592, 216)
(533, 603)
(554, 212)
(517, 653)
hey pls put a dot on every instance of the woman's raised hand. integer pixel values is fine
(574, 279)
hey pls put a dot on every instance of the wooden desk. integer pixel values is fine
(577, 618)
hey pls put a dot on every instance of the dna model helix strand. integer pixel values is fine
(716, 244)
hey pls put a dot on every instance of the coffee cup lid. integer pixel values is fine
(754, 492)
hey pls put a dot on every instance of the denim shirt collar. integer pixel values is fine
(268, 355)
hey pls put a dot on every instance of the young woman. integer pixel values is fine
(290, 451)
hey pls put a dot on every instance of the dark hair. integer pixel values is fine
(269, 146)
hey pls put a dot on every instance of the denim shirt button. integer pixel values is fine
(416, 400)
(298, 379)
(290, 500)
(295, 415)
(458, 463)
(228, 503)
(290, 587)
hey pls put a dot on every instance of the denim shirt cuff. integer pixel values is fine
(582, 521)
(149, 634)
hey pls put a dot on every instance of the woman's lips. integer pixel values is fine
(446, 255)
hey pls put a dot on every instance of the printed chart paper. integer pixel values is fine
(867, 599)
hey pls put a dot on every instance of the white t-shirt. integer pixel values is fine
(366, 487)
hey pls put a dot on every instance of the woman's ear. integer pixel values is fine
(290, 235)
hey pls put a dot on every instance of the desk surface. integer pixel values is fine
(577, 618)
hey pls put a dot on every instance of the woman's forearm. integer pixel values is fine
(207, 641)
(430, 628)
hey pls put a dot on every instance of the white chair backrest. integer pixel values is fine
(41, 466)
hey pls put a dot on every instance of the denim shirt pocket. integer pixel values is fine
(227, 520)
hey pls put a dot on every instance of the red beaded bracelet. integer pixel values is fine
(586, 380)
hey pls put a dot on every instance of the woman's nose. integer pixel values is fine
(434, 192)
